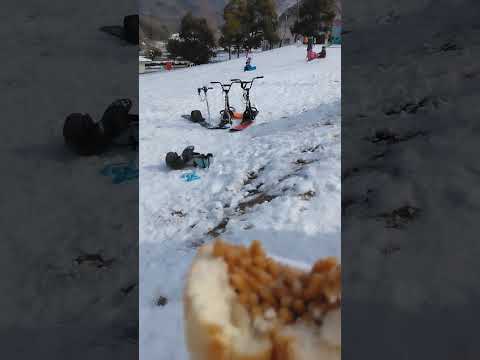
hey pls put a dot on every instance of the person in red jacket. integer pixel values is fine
(312, 55)
(323, 53)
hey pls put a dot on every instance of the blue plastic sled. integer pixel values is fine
(249, 68)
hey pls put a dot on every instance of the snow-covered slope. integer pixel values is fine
(278, 181)
(410, 179)
(55, 207)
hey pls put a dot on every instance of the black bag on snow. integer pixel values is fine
(203, 161)
(116, 120)
(192, 158)
(189, 158)
(187, 154)
(174, 161)
(196, 116)
(84, 136)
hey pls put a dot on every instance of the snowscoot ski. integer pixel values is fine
(250, 112)
(196, 115)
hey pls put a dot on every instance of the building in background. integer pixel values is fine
(142, 61)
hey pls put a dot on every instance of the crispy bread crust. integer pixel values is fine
(206, 341)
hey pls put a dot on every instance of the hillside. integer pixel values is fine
(169, 12)
(277, 181)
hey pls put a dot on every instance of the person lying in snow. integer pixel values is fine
(323, 53)
(312, 55)
(309, 44)
(117, 127)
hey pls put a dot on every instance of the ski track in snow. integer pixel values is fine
(290, 156)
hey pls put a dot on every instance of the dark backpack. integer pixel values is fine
(188, 158)
(196, 116)
(174, 161)
(116, 120)
(83, 136)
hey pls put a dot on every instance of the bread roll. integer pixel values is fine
(240, 304)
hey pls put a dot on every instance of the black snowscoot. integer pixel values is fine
(251, 112)
(196, 115)
(228, 114)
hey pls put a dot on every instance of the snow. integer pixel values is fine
(418, 280)
(292, 154)
(56, 206)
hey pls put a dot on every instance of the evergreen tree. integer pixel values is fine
(234, 30)
(152, 53)
(313, 15)
(196, 42)
(248, 23)
(262, 23)
(153, 29)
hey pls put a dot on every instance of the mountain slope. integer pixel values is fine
(170, 12)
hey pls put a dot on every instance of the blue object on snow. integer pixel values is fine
(120, 172)
(249, 68)
(191, 176)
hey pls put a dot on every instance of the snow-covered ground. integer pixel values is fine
(55, 206)
(410, 223)
(278, 181)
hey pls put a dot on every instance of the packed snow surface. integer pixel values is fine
(277, 181)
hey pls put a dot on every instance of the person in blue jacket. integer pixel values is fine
(249, 66)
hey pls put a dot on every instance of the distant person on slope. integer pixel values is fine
(312, 55)
(248, 65)
(310, 44)
(323, 53)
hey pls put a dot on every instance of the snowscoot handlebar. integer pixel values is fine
(204, 89)
(244, 84)
(225, 87)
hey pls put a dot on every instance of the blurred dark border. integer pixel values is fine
(410, 175)
(69, 236)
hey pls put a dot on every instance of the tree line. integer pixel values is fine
(247, 24)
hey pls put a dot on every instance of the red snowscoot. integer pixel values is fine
(251, 112)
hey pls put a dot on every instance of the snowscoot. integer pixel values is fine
(228, 112)
(196, 115)
(251, 112)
